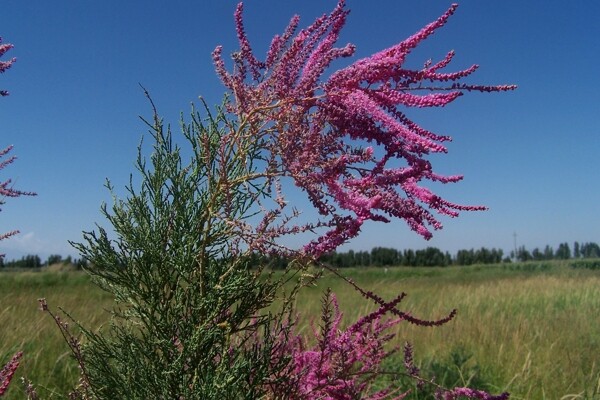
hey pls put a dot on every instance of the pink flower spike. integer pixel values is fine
(4, 65)
(6, 374)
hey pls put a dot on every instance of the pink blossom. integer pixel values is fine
(315, 127)
(7, 372)
(344, 362)
(4, 65)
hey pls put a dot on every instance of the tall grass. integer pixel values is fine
(47, 361)
(530, 329)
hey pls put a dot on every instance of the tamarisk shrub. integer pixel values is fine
(197, 315)
(6, 186)
(7, 190)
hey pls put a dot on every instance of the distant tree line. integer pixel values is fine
(383, 257)
(34, 261)
(563, 252)
(434, 257)
(428, 257)
(29, 261)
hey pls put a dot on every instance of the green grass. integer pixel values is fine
(531, 329)
(46, 361)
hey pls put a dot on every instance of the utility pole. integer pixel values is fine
(515, 243)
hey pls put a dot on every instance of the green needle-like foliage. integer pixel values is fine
(187, 298)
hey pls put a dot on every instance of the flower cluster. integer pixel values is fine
(339, 137)
(4, 65)
(8, 371)
(343, 363)
(7, 189)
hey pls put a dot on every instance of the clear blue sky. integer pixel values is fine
(530, 155)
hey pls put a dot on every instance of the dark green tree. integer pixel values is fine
(537, 255)
(548, 253)
(465, 257)
(576, 250)
(408, 258)
(384, 256)
(54, 259)
(590, 250)
(430, 257)
(563, 252)
(523, 254)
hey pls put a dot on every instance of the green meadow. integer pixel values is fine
(531, 329)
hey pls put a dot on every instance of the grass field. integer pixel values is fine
(530, 329)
